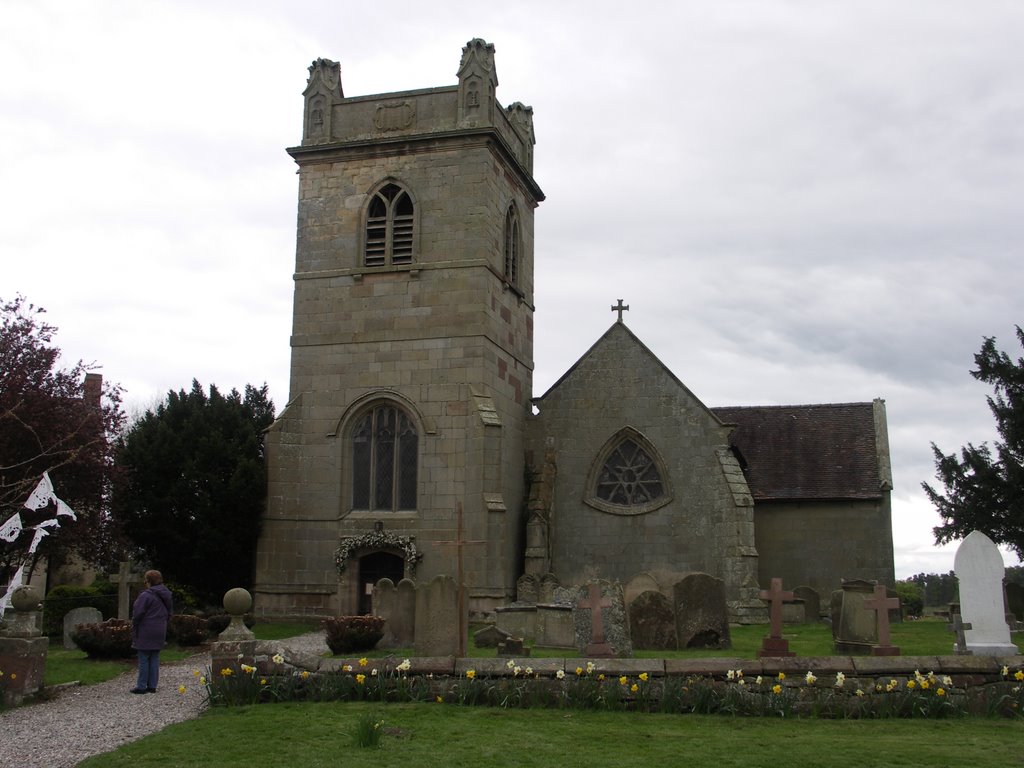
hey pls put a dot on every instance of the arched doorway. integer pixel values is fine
(374, 567)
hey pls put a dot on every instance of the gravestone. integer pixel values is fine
(527, 588)
(702, 616)
(1015, 600)
(438, 623)
(128, 583)
(775, 644)
(812, 603)
(555, 627)
(979, 571)
(601, 624)
(548, 591)
(956, 626)
(513, 647)
(853, 625)
(882, 604)
(642, 582)
(76, 616)
(652, 622)
(489, 637)
(397, 606)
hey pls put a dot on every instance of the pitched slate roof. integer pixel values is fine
(807, 451)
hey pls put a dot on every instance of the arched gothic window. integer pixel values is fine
(628, 477)
(389, 227)
(512, 246)
(385, 454)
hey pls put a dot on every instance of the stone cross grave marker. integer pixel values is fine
(881, 604)
(979, 570)
(459, 543)
(598, 646)
(774, 644)
(956, 624)
(126, 581)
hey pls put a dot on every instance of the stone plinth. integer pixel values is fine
(23, 662)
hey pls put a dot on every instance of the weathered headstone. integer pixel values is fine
(881, 604)
(853, 625)
(600, 621)
(812, 603)
(979, 571)
(513, 647)
(642, 582)
(489, 637)
(76, 616)
(549, 586)
(702, 615)
(1015, 600)
(775, 644)
(652, 622)
(555, 628)
(527, 588)
(438, 624)
(397, 606)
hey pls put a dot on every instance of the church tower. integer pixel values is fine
(412, 346)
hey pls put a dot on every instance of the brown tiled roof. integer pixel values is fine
(807, 451)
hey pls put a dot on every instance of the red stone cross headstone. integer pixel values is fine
(598, 645)
(881, 605)
(459, 543)
(774, 644)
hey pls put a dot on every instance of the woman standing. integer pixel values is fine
(150, 614)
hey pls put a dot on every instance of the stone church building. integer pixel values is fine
(412, 444)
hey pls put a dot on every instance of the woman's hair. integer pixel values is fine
(153, 578)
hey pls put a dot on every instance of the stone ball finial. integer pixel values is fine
(237, 601)
(25, 599)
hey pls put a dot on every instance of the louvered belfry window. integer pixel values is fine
(512, 247)
(385, 449)
(389, 227)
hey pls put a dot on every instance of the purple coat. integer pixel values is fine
(150, 614)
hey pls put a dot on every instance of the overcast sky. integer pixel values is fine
(801, 202)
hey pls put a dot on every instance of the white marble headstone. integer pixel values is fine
(979, 569)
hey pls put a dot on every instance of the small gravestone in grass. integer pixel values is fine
(775, 644)
(701, 612)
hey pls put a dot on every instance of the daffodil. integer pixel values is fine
(782, 676)
(529, 670)
(776, 689)
(263, 681)
(860, 692)
(911, 684)
(560, 674)
(590, 667)
(226, 672)
(195, 673)
(439, 699)
(840, 679)
(730, 675)
(940, 692)
(634, 687)
(470, 674)
(404, 666)
(623, 680)
(346, 668)
(510, 663)
(516, 670)
(924, 685)
(181, 689)
(363, 662)
(373, 672)
(810, 678)
(1005, 671)
(644, 676)
(1018, 675)
(600, 678)
(277, 658)
(304, 675)
(579, 671)
(759, 680)
(361, 679)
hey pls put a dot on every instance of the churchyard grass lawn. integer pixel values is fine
(448, 736)
(65, 666)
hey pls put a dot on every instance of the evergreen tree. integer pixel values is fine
(192, 489)
(984, 487)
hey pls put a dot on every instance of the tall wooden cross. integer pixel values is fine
(620, 309)
(598, 646)
(881, 605)
(459, 543)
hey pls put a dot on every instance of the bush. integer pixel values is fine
(353, 634)
(63, 598)
(111, 639)
(186, 630)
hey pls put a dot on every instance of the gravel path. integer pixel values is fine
(82, 721)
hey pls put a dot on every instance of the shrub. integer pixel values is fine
(63, 598)
(353, 634)
(111, 639)
(187, 630)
